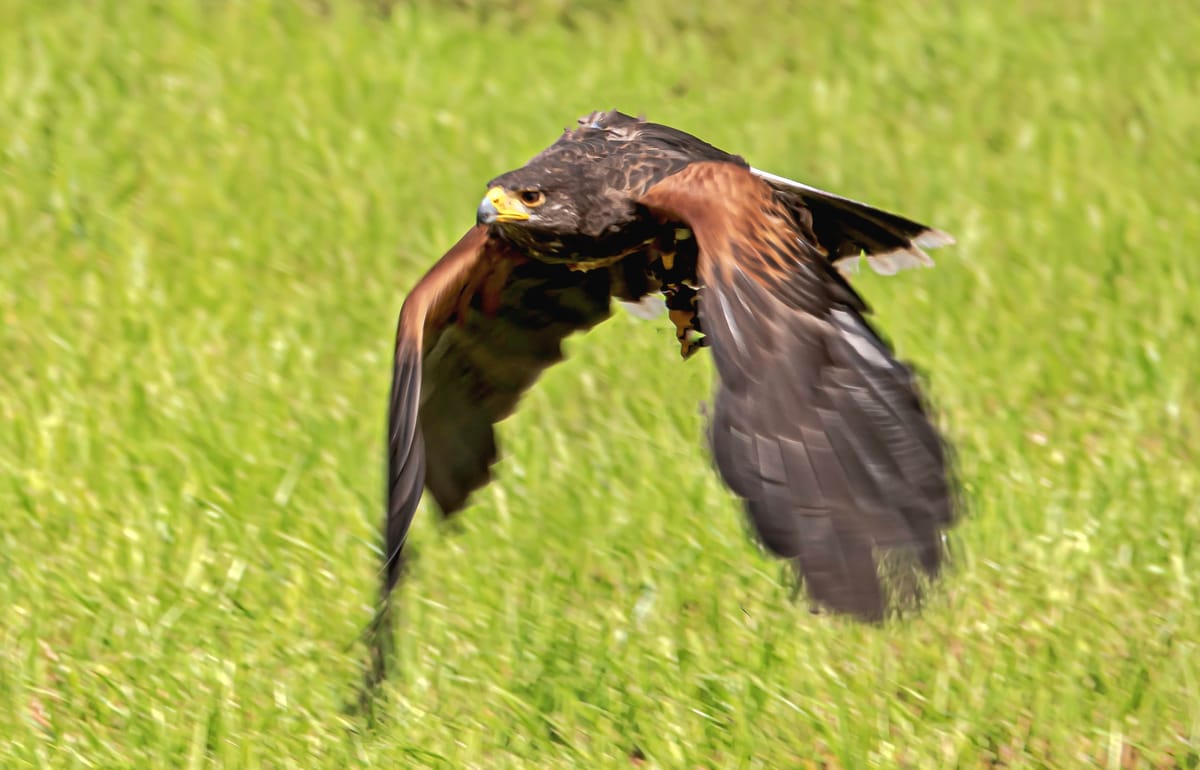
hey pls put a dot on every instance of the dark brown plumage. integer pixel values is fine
(816, 425)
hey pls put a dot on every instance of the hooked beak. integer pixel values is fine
(499, 206)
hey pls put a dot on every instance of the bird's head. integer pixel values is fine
(561, 217)
(528, 204)
(555, 198)
(578, 187)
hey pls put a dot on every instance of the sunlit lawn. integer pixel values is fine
(209, 215)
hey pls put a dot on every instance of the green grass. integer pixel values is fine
(209, 215)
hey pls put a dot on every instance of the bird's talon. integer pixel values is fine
(688, 347)
(685, 326)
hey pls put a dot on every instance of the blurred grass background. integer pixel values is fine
(210, 212)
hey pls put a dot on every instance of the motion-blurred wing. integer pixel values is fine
(816, 425)
(473, 334)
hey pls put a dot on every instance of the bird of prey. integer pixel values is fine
(815, 424)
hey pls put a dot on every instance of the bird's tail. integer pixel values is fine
(849, 230)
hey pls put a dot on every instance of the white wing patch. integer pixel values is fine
(648, 308)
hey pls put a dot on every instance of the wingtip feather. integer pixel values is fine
(887, 263)
(892, 262)
(934, 239)
(910, 255)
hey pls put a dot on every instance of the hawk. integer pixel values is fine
(815, 424)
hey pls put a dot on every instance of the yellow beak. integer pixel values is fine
(499, 206)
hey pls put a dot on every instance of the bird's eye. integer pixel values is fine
(533, 198)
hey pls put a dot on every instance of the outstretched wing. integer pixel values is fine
(473, 335)
(849, 230)
(816, 425)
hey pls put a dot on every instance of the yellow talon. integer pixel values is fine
(682, 320)
(683, 326)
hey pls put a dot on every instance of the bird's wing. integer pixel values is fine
(849, 230)
(473, 335)
(816, 425)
